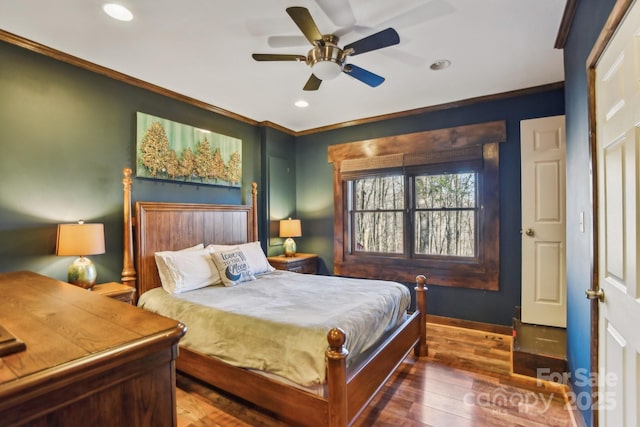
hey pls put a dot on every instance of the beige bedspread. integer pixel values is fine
(279, 322)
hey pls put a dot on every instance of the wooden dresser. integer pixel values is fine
(89, 359)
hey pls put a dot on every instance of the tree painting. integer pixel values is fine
(178, 152)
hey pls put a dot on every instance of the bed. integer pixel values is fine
(158, 227)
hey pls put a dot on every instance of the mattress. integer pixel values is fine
(278, 323)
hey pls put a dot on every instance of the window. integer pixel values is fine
(423, 211)
(445, 214)
(377, 216)
(440, 214)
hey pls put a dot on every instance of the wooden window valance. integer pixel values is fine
(411, 159)
(433, 146)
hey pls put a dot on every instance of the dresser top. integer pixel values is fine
(68, 329)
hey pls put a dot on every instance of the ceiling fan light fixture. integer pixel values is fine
(301, 103)
(326, 61)
(326, 70)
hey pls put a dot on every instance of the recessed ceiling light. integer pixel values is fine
(118, 12)
(301, 103)
(440, 64)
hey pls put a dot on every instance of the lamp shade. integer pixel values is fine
(80, 239)
(290, 228)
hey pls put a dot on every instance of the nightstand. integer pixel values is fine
(300, 263)
(116, 290)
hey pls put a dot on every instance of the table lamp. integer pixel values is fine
(80, 240)
(290, 228)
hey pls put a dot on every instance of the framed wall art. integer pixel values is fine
(174, 151)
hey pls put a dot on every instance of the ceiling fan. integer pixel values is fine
(326, 59)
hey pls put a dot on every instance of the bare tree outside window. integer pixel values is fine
(444, 215)
(378, 214)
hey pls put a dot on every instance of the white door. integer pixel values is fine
(544, 291)
(617, 97)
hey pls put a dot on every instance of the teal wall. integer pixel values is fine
(279, 169)
(588, 22)
(314, 190)
(65, 135)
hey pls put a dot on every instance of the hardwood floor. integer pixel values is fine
(465, 381)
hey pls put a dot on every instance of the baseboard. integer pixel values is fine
(470, 324)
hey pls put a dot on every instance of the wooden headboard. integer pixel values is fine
(173, 226)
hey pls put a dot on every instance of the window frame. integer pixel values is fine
(444, 149)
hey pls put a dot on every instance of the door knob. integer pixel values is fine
(593, 294)
(529, 232)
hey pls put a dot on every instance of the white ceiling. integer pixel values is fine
(202, 49)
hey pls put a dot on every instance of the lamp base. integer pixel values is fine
(289, 247)
(82, 272)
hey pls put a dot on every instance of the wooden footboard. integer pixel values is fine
(365, 380)
(348, 391)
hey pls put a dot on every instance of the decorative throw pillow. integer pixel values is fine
(255, 256)
(232, 266)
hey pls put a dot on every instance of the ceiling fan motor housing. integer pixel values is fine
(326, 59)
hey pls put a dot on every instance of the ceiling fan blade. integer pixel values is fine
(358, 29)
(363, 75)
(338, 11)
(278, 57)
(419, 15)
(381, 39)
(305, 22)
(286, 41)
(313, 83)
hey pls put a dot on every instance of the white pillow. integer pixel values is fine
(255, 256)
(233, 266)
(186, 270)
(163, 270)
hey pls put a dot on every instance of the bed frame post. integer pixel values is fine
(128, 268)
(421, 348)
(337, 378)
(254, 209)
